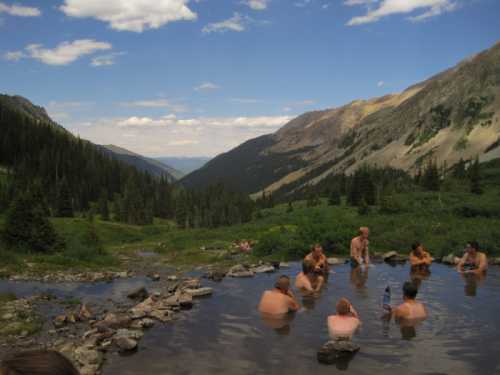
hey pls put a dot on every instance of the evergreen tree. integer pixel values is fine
(289, 208)
(334, 198)
(459, 170)
(26, 227)
(64, 201)
(103, 205)
(475, 177)
(363, 208)
(430, 178)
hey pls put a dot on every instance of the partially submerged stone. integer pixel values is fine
(206, 291)
(336, 350)
(139, 294)
(125, 344)
(450, 259)
(239, 271)
(264, 269)
(335, 261)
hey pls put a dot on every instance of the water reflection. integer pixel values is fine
(359, 276)
(309, 301)
(418, 274)
(279, 323)
(472, 281)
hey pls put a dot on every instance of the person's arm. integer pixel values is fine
(427, 259)
(293, 305)
(414, 260)
(355, 253)
(483, 264)
(367, 253)
(319, 285)
(460, 265)
(354, 313)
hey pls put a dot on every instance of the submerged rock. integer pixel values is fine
(336, 350)
(215, 275)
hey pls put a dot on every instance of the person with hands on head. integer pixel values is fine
(280, 300)
(345, 322)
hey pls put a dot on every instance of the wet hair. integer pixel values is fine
(410, 290)
(474, 245)
(37, 362)
(343, 307)
(283, 283)
(307, 266)
(416, 245)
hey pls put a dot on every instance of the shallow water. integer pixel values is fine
(225, 334)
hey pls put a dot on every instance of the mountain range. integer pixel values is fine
(452, 115)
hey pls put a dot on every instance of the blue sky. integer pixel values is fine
(193, 78)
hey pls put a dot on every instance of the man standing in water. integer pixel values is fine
(473, 260)
(359, 248)
(279, 300)
(318, 260)
(419, 258)
(410, 309)
(308, 280)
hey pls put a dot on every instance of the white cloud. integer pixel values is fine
(157, 103)
(64, 54)
(302, 3)
(171, 135)
(206, 86)
(389, 7)
(257, 4)
(14, 55)
(105, 60)
(19, 10)
(235, 23)
(380, 83)
(245, 100)
(351, 3)
(131, 15)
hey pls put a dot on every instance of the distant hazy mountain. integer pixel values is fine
(153, 166)
(185, 165)
(453, 115)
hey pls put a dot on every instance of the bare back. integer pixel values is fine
(275, 303)
(411, 310)
(342, 326)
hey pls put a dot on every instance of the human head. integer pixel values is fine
(410, 290)
(472, 247)
(343, 306)
(364, 232)
(307, 267)
(283, 283)
(317, 250)
(417, 247)
(37, 362)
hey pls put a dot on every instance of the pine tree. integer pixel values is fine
(475, 177)
(431, 179)
(363, 208)
(103, 205)
(334, 198)
(26, 227)
(459, 170)
(289, 208)
(64, 201)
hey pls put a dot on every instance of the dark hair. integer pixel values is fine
(416, 245)
(410, 290)
(38, 362)
(281, 282)
(307, 266)
(474, 245)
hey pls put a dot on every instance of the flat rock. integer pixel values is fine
(88, 356)
(335, 261)
(264, 269)
(199, 292)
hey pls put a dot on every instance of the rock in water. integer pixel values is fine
(239, 271)
(264, 269)
(125, 344)
(389, 255)
(450, 259)
(335, 261)
(215, 275)
(199, 292)
(139, 294)
(334, 351)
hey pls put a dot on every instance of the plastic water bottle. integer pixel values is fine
(386, 302)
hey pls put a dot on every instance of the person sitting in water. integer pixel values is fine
(419, 258)
(345, 322)
(279, 300)
(318, 260)
(37, 362)
(359, 248)
(473, 260)
(410, 309)
(308, 280)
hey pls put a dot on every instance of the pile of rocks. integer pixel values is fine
(58, 277)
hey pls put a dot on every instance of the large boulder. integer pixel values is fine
(450, 259)
(336, 350)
